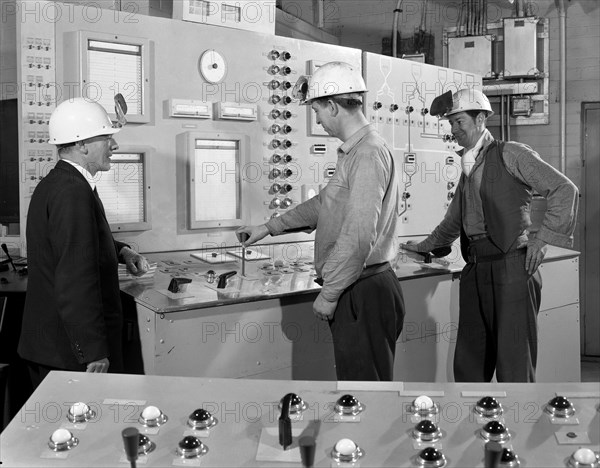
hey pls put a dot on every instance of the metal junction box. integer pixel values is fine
(520, 46)
(471, 54)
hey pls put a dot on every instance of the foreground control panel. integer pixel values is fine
(76, 419)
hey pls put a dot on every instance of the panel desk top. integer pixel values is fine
(244, 416)
(278, 273)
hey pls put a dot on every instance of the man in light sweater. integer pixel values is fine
(355, 217)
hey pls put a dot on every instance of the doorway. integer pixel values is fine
(590, 265)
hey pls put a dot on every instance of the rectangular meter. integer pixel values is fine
(189, 108)
(236, 111)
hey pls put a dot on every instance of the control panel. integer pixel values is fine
(398, 102)
(254, 156)
(79, 419)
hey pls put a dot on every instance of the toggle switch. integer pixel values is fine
(348, 405)
(346, 451)
(151, 416)
(62, 440)
(488, 407)
(297, 404)
(201, 419)
(178, 285)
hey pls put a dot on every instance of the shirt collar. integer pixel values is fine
(84, 172)
(351, 142)
(484, 141)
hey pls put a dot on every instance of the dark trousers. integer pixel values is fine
(365, 327)
(497, 327)
(38, 372)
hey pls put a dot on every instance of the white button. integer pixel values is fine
(585, 456)
(423, 402)
(79, 409)
(345, 447)
(151, 412)
(60, 436)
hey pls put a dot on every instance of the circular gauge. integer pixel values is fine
(212, 66)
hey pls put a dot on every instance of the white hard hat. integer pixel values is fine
(330, 79)
(468, 99)
(79, 119)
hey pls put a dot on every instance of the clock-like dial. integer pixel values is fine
(213, 66)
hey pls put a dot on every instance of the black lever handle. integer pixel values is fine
(131, 441)
(223, 279)
(285, 425)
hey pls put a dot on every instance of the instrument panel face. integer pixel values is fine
(221, 85)
(400, 95)
(218, 82)
(247, 411)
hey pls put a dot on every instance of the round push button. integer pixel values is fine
(348, 405)
(346, 451)
(431, 457)
(80, 412)
(560, 407)
(495, 431)
(584, 458)
(152, 417)
(61, 440)
(201, 419)
(426, 431)
(191, 447)
(488, 407)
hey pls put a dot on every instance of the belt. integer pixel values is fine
(477, 237)
(474, 258)
(369, 270)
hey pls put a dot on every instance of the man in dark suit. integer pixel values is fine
(73, 317)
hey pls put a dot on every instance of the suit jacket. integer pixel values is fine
(72, 310)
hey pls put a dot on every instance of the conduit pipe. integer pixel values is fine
(562, 23)
(397, 11)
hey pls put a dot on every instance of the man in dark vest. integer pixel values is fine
(500, 288)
